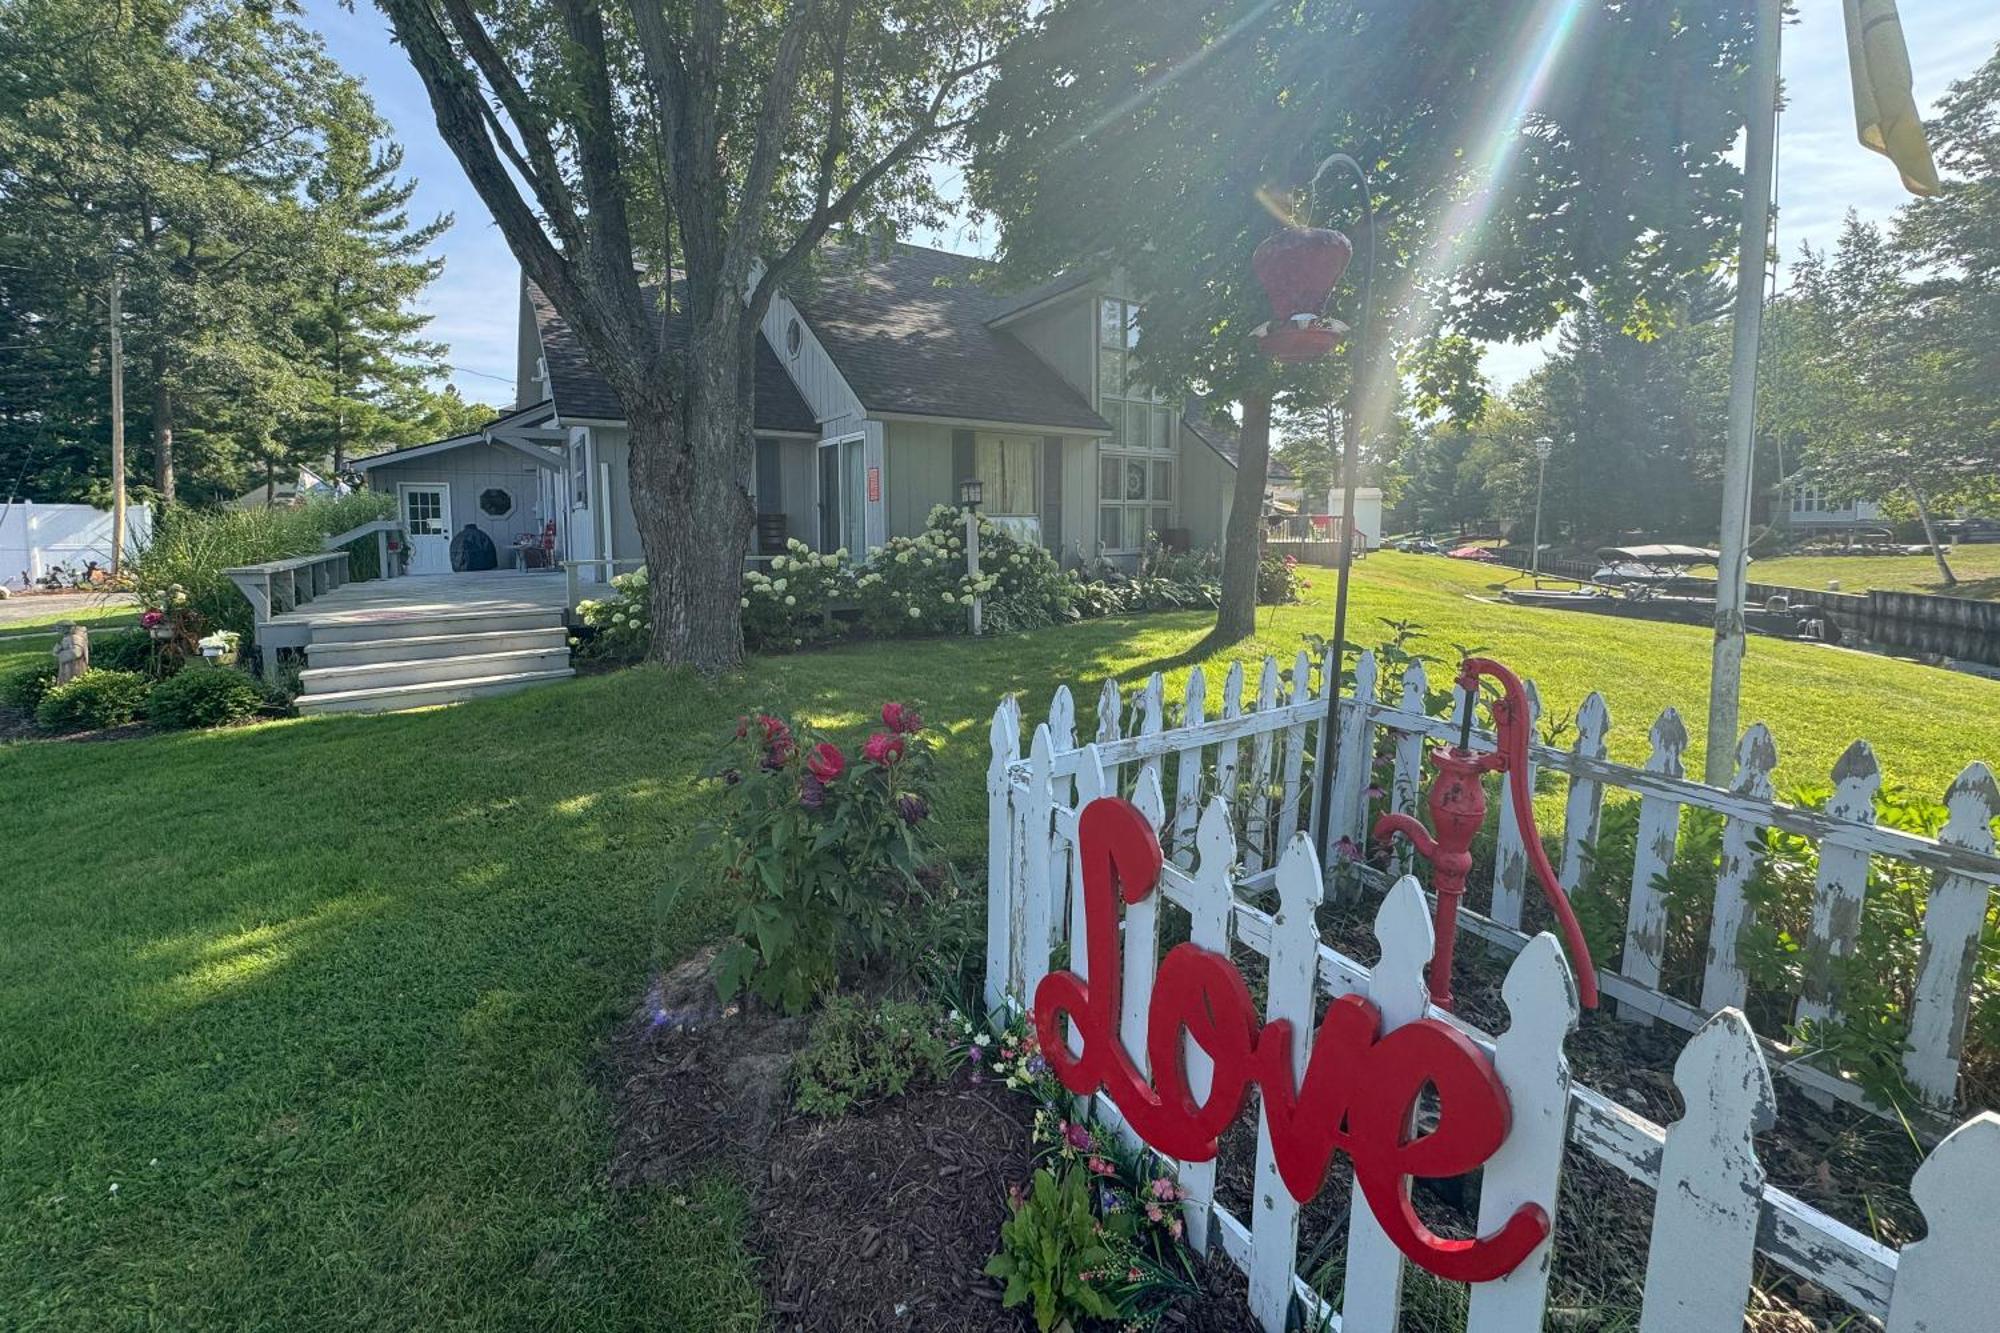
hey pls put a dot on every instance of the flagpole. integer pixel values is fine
(1725, 683)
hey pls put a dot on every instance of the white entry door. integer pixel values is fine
(427, 518)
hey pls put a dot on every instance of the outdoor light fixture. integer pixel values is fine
(970, 492)
(1298, 269)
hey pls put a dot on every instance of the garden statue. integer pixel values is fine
(72, 653)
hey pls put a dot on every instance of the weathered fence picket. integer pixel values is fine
(1711, 1185)
(1953, 919)
(1659, 832)
(1842, 885)
(1187, 770)
(1725, 985)
(1408, 777)
(1713, 1212)
(1510, 854)
(1289, 802)
(1586, 794)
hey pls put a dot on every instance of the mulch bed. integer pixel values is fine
(883, 1219)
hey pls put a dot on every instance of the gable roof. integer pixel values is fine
(910, 330)
(532, 415)
(1221, 435)
(580, 392)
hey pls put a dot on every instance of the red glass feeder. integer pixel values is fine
(1298, 268)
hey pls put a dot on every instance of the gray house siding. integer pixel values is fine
(470, 472)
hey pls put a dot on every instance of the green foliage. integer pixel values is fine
(1057, 1256)
(127, 650)
(93, 701)
(919, 585)
(822, 851)
(24, 687)
(203, 696)
(248, 191)
(1279, 581)
(1875, 983)
(618, 623)
(190, 549)
(859, 1053)
(792, 605)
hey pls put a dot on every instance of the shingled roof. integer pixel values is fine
(910, 329)
(1220, 434)
(580, 392)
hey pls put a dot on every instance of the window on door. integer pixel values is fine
(423, 513)
(1005, 466)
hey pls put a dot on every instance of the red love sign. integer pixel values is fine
(1360, 1088)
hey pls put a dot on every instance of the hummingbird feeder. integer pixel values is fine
(1298, 268)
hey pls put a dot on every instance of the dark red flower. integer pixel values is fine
(902, 719)
(812, 792)
(826, 762)
(883, 748)
(912, 808)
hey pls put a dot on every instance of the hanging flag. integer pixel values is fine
(1885, 106)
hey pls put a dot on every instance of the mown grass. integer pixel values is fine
(326, 1001)
(1977, 567)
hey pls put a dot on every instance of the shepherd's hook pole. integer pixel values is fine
(1350, 464)
(1725, 681)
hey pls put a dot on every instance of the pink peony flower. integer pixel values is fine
(884, 748)
(826, 762)
(902, 719)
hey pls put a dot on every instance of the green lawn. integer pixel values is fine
(303, 1020)
(31, 639)
(1977, 567)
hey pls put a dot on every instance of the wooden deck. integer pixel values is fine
(427, 597)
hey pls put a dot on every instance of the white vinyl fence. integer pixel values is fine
(35, 538)
(1233, 836)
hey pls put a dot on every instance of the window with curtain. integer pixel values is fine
(1005, 466)
(1136, 482)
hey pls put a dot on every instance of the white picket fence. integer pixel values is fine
(1713, 1209)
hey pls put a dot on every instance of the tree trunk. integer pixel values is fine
(1243, 543)
(163, 429)
(1930, 536)
(688, 461)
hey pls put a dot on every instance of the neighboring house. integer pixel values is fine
(879, 388)
(284, 492)
(1803, 508)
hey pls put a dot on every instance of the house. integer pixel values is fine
(880, 386)
(1803, 508)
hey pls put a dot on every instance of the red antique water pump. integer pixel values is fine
(1458, 808)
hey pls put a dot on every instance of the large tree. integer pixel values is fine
(1521, 155)
(194, 149)
(723, 140)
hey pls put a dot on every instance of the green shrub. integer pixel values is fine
(203, 696)
(190, 548)
(919, 585)
(1058, 1256)
(791, 605)
(1278, 580)
(822, 851)
(128, 650)
(619, 621)
(858, 1053)
(93, 701)
(24, 687)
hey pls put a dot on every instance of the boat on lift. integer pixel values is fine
(1656, 582)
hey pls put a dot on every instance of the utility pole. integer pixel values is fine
(1725, 680)
(117, 425)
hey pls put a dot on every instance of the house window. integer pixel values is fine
(795, 338)
(495, 502)
(1136, 477)
(1005, 466)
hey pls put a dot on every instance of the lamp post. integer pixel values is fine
(970, 492)
(1543, 448)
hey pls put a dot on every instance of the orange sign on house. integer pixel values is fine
(874, 485)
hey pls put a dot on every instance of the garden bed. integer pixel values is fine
(879, 1219)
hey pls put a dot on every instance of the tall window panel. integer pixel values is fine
(1136, 479)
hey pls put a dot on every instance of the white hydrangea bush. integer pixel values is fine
(920, 585)
(790, 603)
(619, 622)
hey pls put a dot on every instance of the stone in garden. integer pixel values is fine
(72, 653)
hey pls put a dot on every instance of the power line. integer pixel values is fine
(485, 375)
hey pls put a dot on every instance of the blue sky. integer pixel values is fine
(1823, 172)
